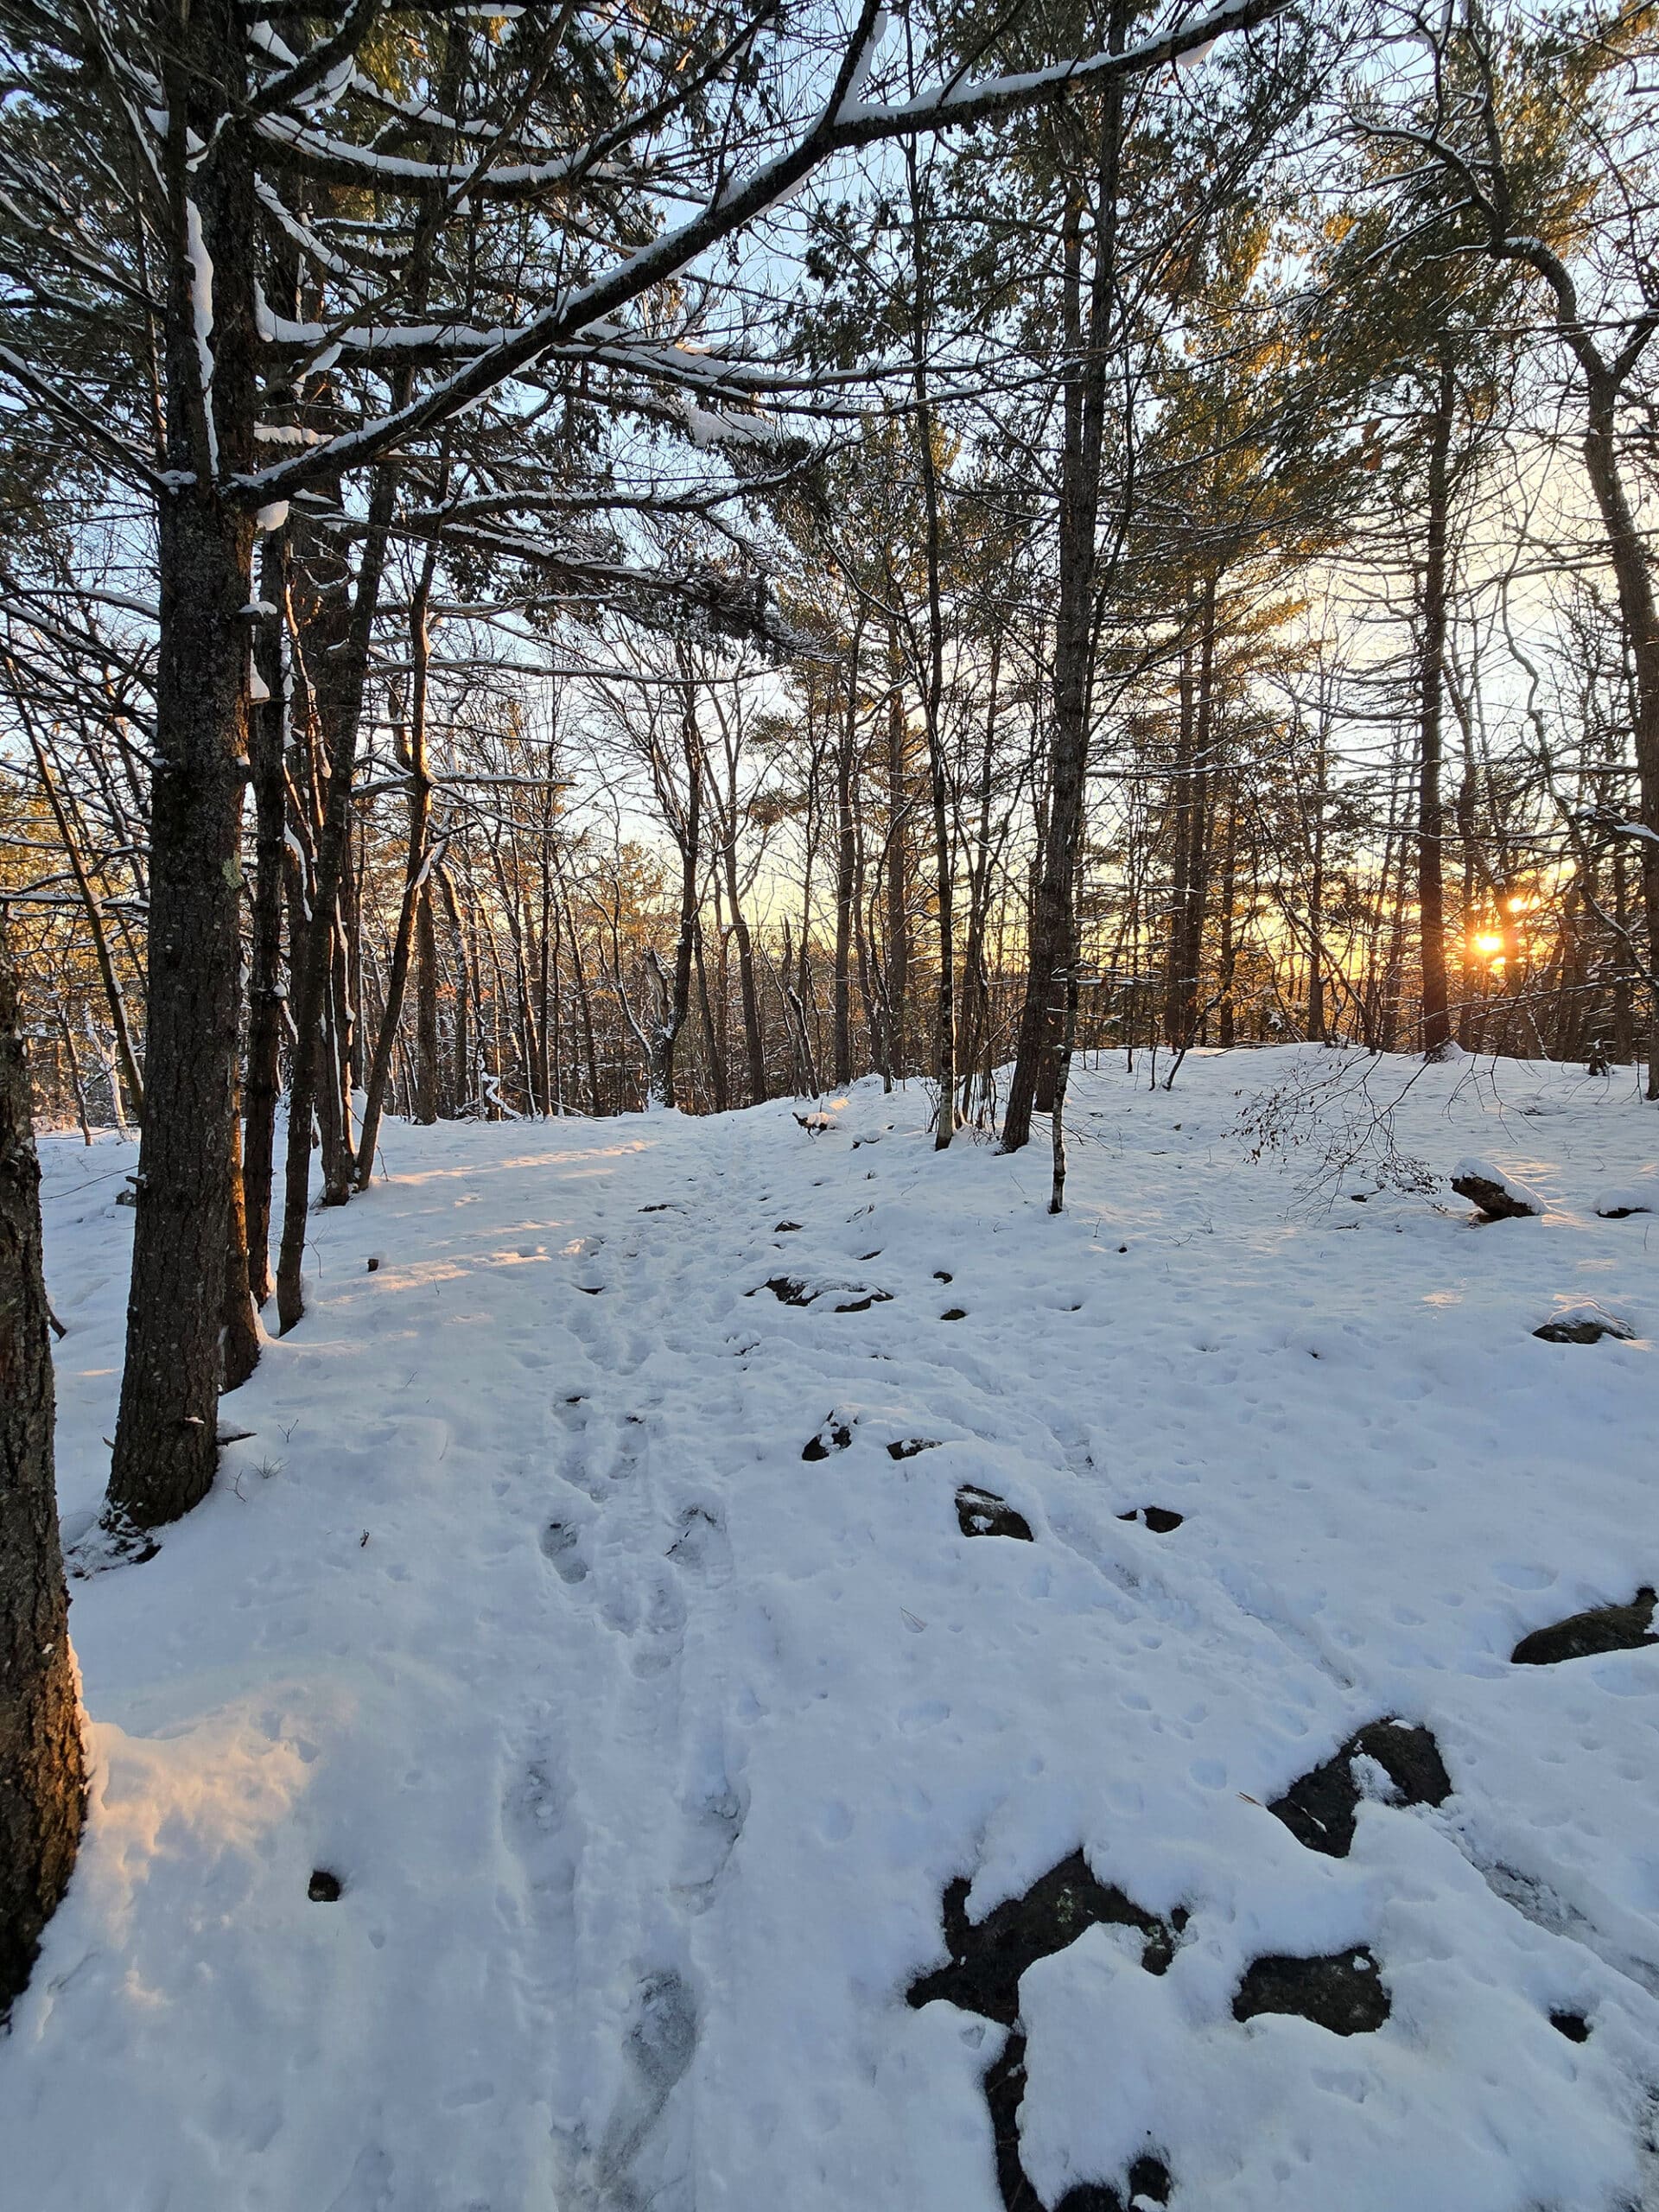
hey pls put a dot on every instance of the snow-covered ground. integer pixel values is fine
(645, 1748)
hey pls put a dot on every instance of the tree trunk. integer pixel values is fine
(846, 871)
(42, 1777)
(340, 705)
(416, 869)
(1083, 425)
(1627, 549)
(267, 735)
(897, 964)
(753, 1034)
(1229, 949)
(165, 1451)
(1430, 822)
(944, 1038)
(675, 998)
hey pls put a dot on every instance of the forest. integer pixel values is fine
(576, 563)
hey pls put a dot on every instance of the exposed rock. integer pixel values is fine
(1586, 1322)
(1319, 1809)
(323, 1888)
(1573, 2025)
(1619, 1205)
(849, 1298)
(1344, 1993)
(908, 1446)
(954, 1313)
(982, 1513)
(1497, 1197)
(988, 1956)
(1159, 1518)
(987, 1960)
(1150, 2183)
(1584, 1636)
(834, 1436)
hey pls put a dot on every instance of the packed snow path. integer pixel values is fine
(586, 1609)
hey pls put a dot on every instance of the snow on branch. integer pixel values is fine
(840, 128)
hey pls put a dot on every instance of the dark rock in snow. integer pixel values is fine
(1573, 2025)
(849, 1298)
(987, 1960)
(1584, 1636)
(1585, 1324)
(1160, 1519)
(785, 1228)
(943, 1274)
(1497, 1196)
(954, 1313)
(1150, 2183)
(982, 1513)
(988, 1956)
(323, 1888)
(834, 1436)
(1344, 1993)
(908, 1446)
(1319, 1809)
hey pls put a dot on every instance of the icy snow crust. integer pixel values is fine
(644, 1750)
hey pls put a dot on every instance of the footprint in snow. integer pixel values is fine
(559, 1541)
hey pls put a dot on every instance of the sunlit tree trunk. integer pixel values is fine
(43, 1778)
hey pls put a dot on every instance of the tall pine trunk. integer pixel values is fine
(1431, 812)
(165, 1451)
(43, 1778)
(1041, 1036)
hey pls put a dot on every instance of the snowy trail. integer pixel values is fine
(645, 1747)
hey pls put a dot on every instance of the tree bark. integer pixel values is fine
(43, 1775)
(416, 869)
(1436, 1027)
(1627, 550)
(897, 964)
(846, 868)
(267, 734)
(165, 1452)
(1083, 433)
(341, 707)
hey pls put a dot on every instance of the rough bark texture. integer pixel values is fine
(165, 1451)
(266, 731)
(1628, 552)
(42, 1784)
(846, 870)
